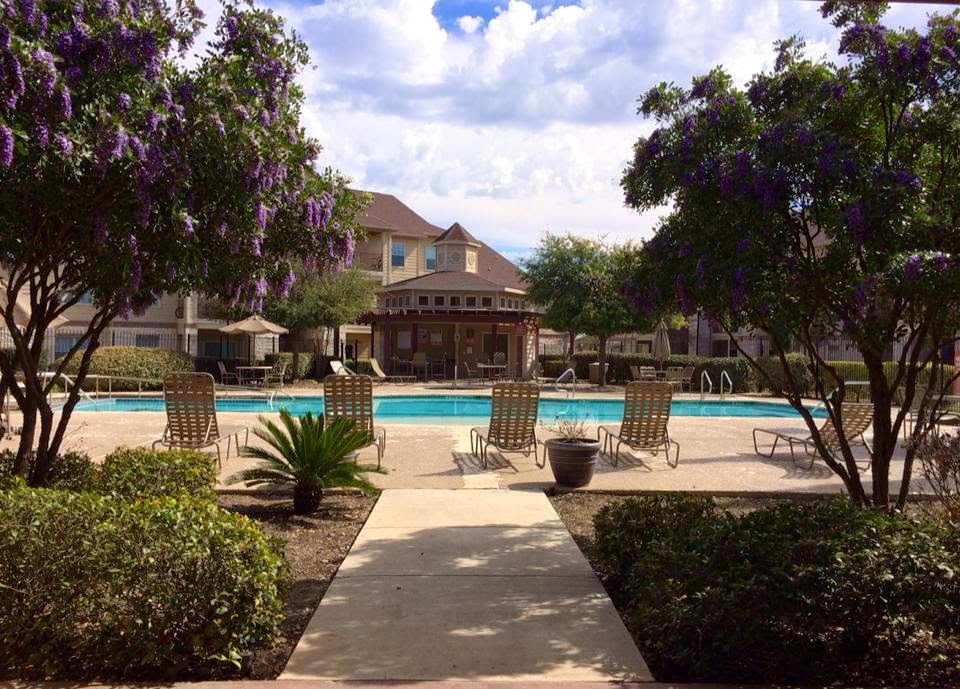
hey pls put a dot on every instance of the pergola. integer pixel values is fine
(521, 321)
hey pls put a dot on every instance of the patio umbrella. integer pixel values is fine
(661, 343)
(253, 325)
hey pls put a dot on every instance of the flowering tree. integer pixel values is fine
(821, 201)
(125, 174)
(578, 282)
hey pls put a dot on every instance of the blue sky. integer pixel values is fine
(517, 118)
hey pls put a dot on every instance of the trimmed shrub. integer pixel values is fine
(619, 367)
(8, 354)
(72, 470)
(819, 592)
(774, 369)
(134, 362)
(140, 473)
(307, 363)
(91, 586)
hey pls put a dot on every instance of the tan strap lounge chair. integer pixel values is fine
(856, 419)
(191, 403)
(642, 373)
(380, 377)
(513, 422)
(226, 376)
(686, 378)
(646, 411)
(674, 376)
(351, 397)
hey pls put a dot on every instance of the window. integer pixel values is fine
(63, 343)
(406, 300)
(439, 300)
(147, 340)
(503, 303)
(486, 302)
(85, 298)
(471, 302)
(511, 304)
(454, 301)
(423, 300)
(397, 257)
(431, 258)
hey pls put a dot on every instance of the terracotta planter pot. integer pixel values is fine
(306, 500)
(572, 463)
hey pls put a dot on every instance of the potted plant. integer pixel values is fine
(310, 455)
(573, 455)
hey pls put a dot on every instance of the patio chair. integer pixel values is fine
(499, 358)
(276, 377)
(190, 402)
(856, 420)
(947, 414)
(513, 422)
(339, 369)
(226, 376)
(420, 362)
(646, 411)
(351, 397)
(675, 378)
(380, 377)
(640, 373)
(686, 378)
(469, 372)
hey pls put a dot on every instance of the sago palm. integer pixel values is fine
(310, 455)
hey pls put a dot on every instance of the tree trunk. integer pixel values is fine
(336, 342)
(602, 360)
(884, 444)
(21, 465)
(571, 349)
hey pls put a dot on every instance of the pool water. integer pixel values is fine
(462, 409)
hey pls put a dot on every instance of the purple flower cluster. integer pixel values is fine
(6, 146)
(63, 144)
(186, 224)
(911, 269)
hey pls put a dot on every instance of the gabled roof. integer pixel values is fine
(446, 280)
(388, 213)
(456, 233)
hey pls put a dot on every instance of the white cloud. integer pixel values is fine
(469, 24)
(521, 124)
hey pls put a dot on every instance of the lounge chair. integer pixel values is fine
(856, 420)
(641, 373)
(380, 377)
(351, 397)
(339, 369)
(646, 411)
(513, 422)
(226, 376)
(420, 362)
(190, 401)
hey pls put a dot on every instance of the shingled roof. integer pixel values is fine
(456, 233)
(388, 213)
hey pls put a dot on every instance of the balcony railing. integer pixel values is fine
(368, 260)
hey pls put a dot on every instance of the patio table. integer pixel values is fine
(257, 374)
(489, 370)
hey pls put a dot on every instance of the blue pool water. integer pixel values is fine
(439, 409)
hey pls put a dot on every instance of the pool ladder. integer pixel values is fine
(706, 384)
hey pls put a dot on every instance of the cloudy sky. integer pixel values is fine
(517, 117)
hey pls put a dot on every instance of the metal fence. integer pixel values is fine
(58, 342)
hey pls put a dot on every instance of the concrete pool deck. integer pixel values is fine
(716, 453)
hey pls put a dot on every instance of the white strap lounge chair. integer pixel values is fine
(190, 401)
(380, 377)
(856, 419)
(513, 422)
(351, 396)
(646, 411)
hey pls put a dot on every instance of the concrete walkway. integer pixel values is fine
(465, 585)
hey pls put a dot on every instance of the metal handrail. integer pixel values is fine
(725, 375)
(573, 382)
(704, 376)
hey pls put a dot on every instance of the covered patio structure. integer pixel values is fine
(453, 341)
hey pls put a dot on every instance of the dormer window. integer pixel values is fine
(431, 258)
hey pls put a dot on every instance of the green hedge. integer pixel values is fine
(779, 381)
(8, 354)
(95, 587)
(139, 473)
(308, 362)
(808, 593)
(619, 367)
(133, 362)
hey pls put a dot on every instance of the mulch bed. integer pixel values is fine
(315, 547)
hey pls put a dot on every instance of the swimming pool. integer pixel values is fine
(463, 409)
